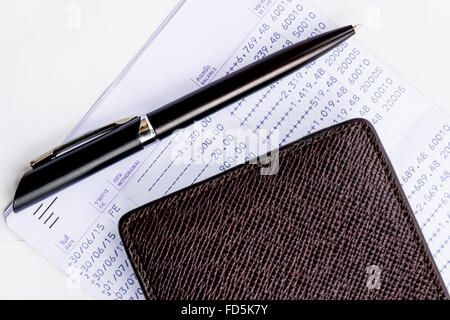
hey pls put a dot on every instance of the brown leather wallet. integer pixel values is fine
(333, 223)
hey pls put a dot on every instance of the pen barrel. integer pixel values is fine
(87, 155)
(213, 97)
(78, 163)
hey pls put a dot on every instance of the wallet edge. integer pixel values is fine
(365, 124)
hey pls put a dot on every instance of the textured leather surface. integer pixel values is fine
(311, 231)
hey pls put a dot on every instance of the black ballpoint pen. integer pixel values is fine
(90, 153)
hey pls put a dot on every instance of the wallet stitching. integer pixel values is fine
(230, 176)
(406, 213)
(301, 145)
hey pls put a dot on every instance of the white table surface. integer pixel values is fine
(57, 57)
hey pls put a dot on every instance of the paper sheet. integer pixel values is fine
(205, 40)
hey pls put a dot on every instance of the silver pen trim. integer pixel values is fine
(146, 133)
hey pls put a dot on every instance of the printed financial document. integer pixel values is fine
(77, 229)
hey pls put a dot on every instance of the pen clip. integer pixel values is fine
(75, 143)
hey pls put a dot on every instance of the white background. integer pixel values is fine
(58, 56)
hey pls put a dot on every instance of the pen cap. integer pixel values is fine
(77, 163)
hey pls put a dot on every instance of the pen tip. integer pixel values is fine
(357, 26)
